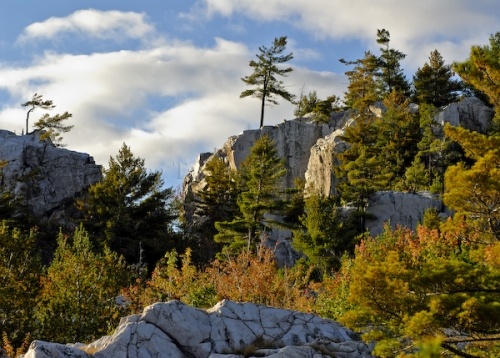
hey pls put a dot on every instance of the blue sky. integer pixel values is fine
(163, 76)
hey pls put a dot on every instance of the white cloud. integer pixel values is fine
(168, 102)
(104, 25)
(450, 25)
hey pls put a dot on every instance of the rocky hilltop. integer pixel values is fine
(228, 330)
(309, 149)
(46, 178)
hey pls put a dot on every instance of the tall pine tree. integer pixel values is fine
(261, 173)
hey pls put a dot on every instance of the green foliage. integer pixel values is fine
(78, 298)
(52, 127)
(390, 74)
(397, 135)
(326, 233)
(434, 83)
(20, 267)
(482, 71)
(362, 90)
(37, 102)
(130, 211)
(421, 287)
(475, 191)
(321, 110)
(216, 202)
(261, 173)
(267, 86)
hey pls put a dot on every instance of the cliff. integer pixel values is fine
(310, 150)
(47, 178)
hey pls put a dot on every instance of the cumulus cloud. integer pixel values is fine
(168, 102)
(104, 25)
(414, 25)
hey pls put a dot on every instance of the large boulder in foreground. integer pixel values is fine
(229, 329)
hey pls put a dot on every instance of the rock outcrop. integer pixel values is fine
(228, 330)
(46, 177)
(399, 209)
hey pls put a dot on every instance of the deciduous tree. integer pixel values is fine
(78, 298)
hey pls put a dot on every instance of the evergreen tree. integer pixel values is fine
(390, 75)
(362, 90)
(20, 267)
(37, 102)
(78, 298)
(130, 211)
(267, 86)
(217, 202)
(482, 70)
(51, 125)
(397, 135)
(321, 110)
(474, 191)
(261, 173)
(434, 83)
(326, 233)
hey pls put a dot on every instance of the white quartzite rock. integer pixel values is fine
(229, 329)
(46, 176)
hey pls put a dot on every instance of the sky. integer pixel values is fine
(164, 76)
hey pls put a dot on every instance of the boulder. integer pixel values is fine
(46, 177)
(229, 329)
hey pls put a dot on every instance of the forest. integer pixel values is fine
(431, 292)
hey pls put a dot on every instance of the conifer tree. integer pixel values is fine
(20, 267)
(474, 191)
(78, 298)
(397, 134)
(434, 83)
(266, 68)
(362, 90)
(321, 110)
(390, 74)
(130, 211)
(326, 234)
(51, 125)
(261, 173)
(482, 71)
(217, 202)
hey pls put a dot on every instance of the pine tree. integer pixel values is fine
(362, 90)
(217, 202)
(390, 75)
(51, 125)
(326, 234)
(321, 110)
(130, 211)
(474, 191)
(261, 173)
(264, 76)
(20, 267)
(398, 134)
(78, 298)
(482, 71)
(434, 83)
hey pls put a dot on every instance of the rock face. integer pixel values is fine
(399, 209)
(47, 177)
(229, 329)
